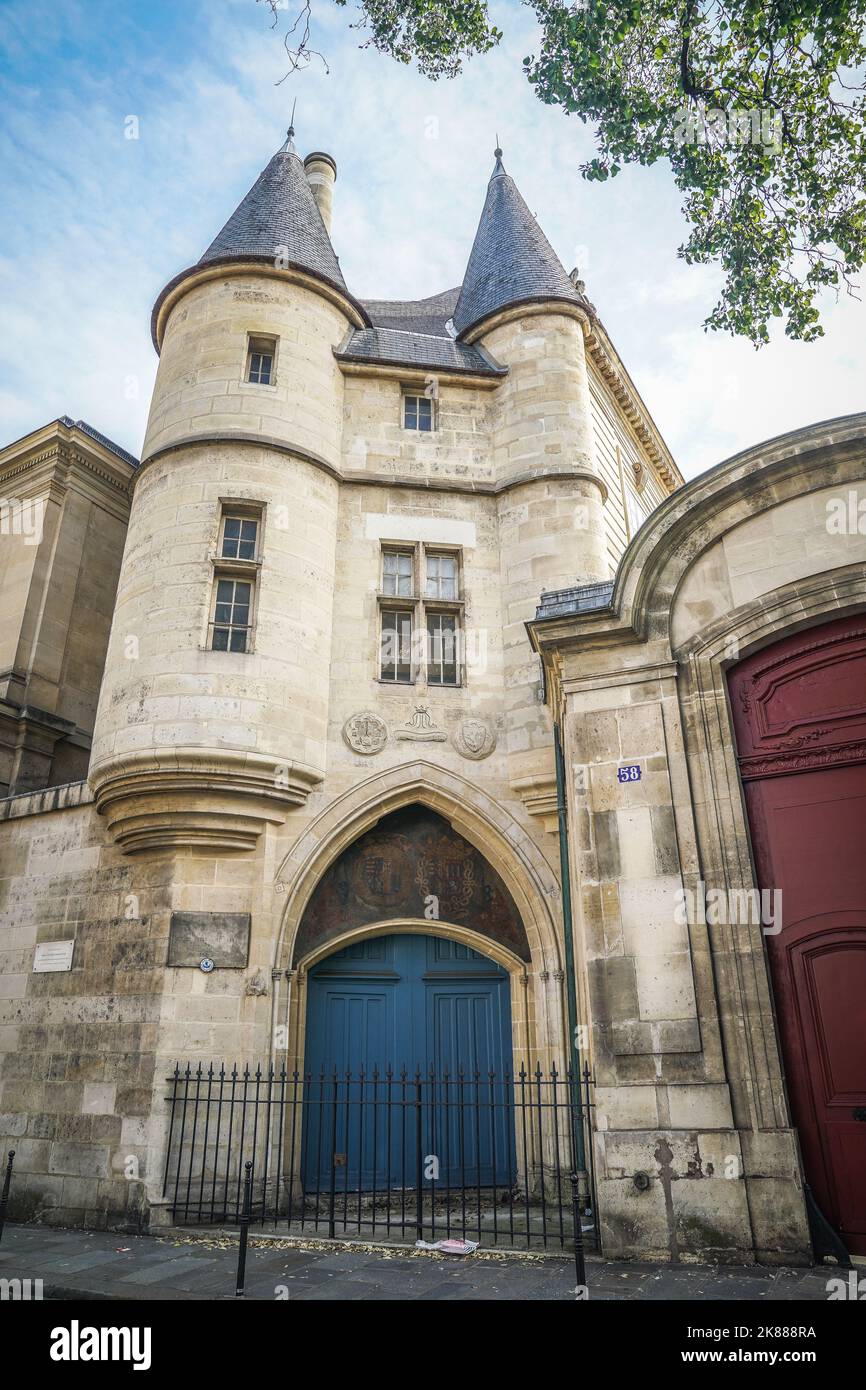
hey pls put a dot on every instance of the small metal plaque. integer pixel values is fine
(629, 774)
(53, 955)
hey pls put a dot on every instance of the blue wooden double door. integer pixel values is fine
(408, 1055)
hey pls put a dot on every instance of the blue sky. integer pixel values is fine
(92, 224)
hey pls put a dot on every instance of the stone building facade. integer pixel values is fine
(328, 700)
(722, 896)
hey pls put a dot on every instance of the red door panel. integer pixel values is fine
(800, 716)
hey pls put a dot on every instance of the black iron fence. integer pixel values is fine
(500, 1159)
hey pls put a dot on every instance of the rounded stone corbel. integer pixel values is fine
(202, 798)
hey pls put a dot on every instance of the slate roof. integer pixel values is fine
(100, 438)
(430, 315)
(408, 349)
(511, 261)
(583, 598)
(279, 212)
(277, 217)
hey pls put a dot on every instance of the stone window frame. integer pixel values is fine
(420, 605)
(230, 625)
(412, 392)
(225, 567)
(255, 342)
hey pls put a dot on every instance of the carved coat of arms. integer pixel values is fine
(365, 733)
(474, 738)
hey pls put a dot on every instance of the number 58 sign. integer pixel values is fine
(629, 774)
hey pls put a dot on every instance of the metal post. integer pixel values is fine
(568, 936)
(579, 1256)
(332, 1195)
(4, 1197)
(245, 1218)
(419, 1171)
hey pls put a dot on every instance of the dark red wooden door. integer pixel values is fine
(799, 712)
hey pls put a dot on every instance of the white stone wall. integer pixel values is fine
(200, 387)
(163, 688)
(458, 451)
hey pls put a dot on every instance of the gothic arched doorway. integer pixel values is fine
(799, 709)
(430, 999)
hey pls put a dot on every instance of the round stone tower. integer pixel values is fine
(518, 303)
(213, 712)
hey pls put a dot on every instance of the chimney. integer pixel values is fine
(321, 174)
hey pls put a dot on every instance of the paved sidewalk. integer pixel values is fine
(99, 1265)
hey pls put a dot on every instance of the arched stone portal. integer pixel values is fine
(413, 880)
(417, 850)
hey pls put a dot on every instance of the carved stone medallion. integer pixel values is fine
(474, 738)
(365, 733)
(421, 728)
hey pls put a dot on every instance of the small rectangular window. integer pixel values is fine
(232, 615)
(417, 413)
(240, 538)
(397, 572)
(441, 649)
(441, 576)
(260, 360)
(396, 646)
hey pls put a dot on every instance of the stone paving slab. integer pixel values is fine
(85, 1264)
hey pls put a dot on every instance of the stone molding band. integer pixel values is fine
(262, 441)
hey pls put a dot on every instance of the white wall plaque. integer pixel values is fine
(402, 526)
(54, 955)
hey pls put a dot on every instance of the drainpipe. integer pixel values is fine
(568, 934)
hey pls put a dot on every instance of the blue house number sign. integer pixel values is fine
(628, 774)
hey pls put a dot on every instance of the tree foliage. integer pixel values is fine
(759, 106)
(435, 34)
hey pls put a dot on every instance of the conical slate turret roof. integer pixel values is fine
(511, 262)
(278, 222)
(279, 218)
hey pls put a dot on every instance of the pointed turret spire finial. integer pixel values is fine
(289, 146)
(511, 261)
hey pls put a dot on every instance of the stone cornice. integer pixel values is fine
(54, 452)
(617, 676)
(212, 799)
(394, 371)
(527, 308)
(607, 362)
